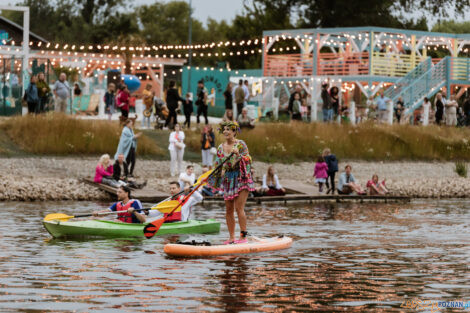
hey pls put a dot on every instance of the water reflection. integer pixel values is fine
(346, 257)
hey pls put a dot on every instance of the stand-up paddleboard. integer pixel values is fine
(254, 245)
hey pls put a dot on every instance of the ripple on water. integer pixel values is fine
(346, 257)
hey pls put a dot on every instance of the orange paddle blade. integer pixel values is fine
(152, 228)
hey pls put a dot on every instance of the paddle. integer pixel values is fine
(64, 217)
(152, 228)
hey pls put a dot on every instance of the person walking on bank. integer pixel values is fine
(31, 96)
(62, 93)
(188, 109)
(207, 144)
(176, 148)
(439, 103)
(128, 145)
(172, 98)
(201, 101)
(332, 162)
(239, 96)
(110, 100)
(235, 179)
(327, 107)
(228, 98)
(43, 92)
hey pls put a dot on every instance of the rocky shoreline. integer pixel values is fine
(53, 179)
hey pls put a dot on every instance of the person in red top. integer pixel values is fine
(122, 100)
(130, 207)
(375, 187)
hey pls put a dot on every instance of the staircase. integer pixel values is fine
(423, 81)
(394, 91)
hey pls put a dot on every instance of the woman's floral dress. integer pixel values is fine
(236, 172)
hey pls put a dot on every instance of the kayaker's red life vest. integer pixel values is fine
(175, 216)
(124, 217)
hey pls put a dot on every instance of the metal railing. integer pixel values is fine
(393, 64)
(343, 64)
(288, 65)
(425, 86)
(394, 91)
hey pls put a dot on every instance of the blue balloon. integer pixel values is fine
(132, 82)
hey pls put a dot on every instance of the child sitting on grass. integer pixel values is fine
(320, 173)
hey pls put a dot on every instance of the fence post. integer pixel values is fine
(447, 60)
(352, 112)
(390, 112)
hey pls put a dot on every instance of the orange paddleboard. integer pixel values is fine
(254, 245)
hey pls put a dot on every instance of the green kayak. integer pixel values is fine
(99, 228)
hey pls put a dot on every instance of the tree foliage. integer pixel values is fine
(114, 21)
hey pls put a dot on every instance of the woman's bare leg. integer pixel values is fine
(230, 218)
(240, 207)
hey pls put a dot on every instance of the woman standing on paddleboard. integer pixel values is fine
(235, 179)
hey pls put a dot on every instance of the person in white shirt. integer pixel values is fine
(176, 149)
(247, 93)
(186, 209)
(187, 179)
(271, 185)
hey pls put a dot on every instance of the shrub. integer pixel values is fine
(461, 169)
(60, 134)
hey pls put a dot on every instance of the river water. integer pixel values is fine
(345, 257)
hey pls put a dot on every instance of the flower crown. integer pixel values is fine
(232, 124)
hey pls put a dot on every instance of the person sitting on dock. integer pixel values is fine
(271, 185)
(121, 172)
(130, 207)
(347, 183)
(375, 187)
(104, 172)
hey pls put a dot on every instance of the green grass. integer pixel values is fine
(54, 134)
(461, 169)
(283, 142)
(57, 134)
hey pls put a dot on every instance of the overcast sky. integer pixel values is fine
(202, 9)
(216, 9)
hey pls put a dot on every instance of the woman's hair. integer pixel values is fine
(229, 86)
(326, 151)
(126, 190)
(128, 121)
(176, 124)
(270, 175)
(233, 125)
(375, 176)
(320, 159)
(103, 159)
(172, 83)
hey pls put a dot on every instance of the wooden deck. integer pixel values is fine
(295, 191)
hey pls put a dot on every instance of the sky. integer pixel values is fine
(202, 9)
(216, 9)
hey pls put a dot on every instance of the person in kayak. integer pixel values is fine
(130, 207)
(186, 208)
(235, 179)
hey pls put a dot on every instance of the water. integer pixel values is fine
(347, 257)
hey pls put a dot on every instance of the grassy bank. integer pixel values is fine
(57, 134)
(291, 142)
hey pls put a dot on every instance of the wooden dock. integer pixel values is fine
(295, 191)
